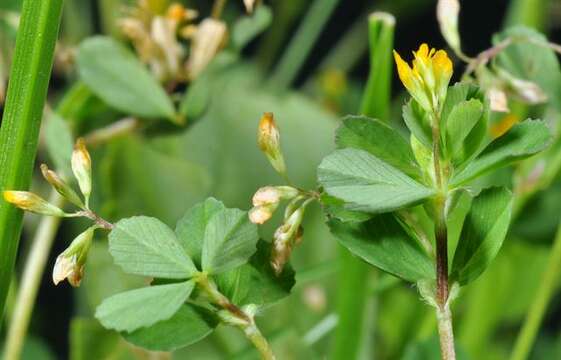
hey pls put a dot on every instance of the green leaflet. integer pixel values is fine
(146, 246)
(229, 241)
(115, 75)
(384, 243)
(187, 326)
(143, 307)
(379, 139)
(523, 140)
(256, 282)
(484, 230)
(461, 121)
(368, 184)
(418, 122)
(190, 229)
(470, 144)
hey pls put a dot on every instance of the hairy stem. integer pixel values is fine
(535, 315)
(446, 333)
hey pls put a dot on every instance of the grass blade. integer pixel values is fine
(29, 79)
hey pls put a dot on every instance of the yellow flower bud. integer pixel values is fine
(60, 186)
(177, 12)
(82, 168)
(70, 264)
(28, 201)
(428, 80)
(268, 139)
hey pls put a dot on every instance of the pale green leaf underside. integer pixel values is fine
(368, 184)
(230, 239)
(188, 325)
(523, 140)
(146, 246)
(143, 307)
(484, 230)
(379, 139)
(116, 76)
(384, 243)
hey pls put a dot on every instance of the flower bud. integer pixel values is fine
(60, 186)
(447, 12)
(209, 38)
(286, 237)
(82, 168)
(249, 4)
(28, 201)
(177, 12)
(70, 264)
(273, 194)
(261, 214)
(497, 100)
(528, 91)
(268, 139)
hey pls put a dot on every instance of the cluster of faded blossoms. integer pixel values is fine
(70, 263)
(156, 37)
(267, 199)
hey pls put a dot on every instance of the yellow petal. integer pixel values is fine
(423, 52)
(403, 70)
(442, 63)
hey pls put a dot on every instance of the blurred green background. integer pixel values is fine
(163, 175)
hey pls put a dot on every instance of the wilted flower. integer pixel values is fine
(61, 186)
(447, 12)
(428, 80)
(497, 100)
(28, 201)
(70, 264)
(287, 236)
(208, 38)
(268, 139)
(82, 168)
(154, 36)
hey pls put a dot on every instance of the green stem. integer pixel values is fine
(218, 8)
(443, 313)
(236, 316)
(353, 276)
(301, 44)
(31, 279)
(258, 340)
(27, 90)
(446, 333)
(534, 317)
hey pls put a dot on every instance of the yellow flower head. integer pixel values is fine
(428, 80)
